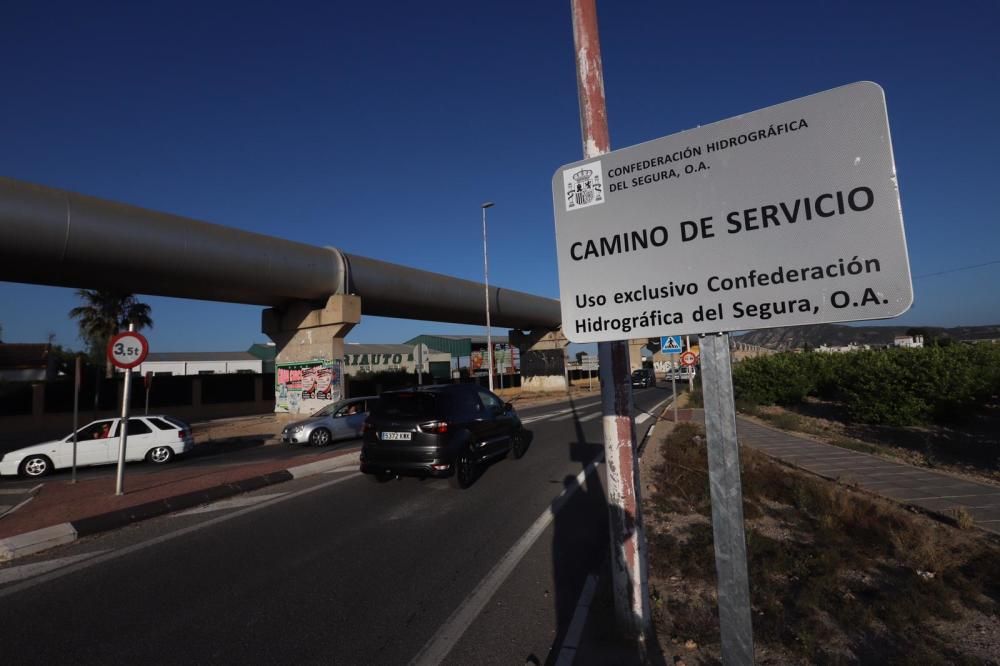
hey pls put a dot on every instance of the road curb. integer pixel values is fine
(35, 541)
(29, 543)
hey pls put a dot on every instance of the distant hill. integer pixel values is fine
(839, 335)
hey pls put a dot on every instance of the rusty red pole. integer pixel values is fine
(628, 544)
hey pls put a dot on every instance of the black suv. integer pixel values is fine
(644, 378)
(442, 431)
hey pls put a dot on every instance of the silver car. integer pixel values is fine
(341, 420)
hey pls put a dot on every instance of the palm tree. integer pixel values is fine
(103, 315)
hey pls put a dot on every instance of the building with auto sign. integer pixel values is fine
(372, 358)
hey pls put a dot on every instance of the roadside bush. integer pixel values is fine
(896, 387)
(902, 387)
(781, 379)
(883, 387)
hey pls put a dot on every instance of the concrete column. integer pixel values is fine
(635, 353)
(303, 331)
(543, 359)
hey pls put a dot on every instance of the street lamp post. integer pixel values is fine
(486, 280)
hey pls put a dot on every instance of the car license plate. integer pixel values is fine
(387, 436)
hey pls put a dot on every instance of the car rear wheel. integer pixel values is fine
(160, 455)
(35, 466)
(519, 443)
(465, 470)
(319, 437)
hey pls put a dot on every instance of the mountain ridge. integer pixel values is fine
(839, 335)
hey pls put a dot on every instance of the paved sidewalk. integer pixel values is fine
(936, 492)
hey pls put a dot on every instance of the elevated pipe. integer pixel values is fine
(59, 238)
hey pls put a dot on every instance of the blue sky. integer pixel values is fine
(380, 127)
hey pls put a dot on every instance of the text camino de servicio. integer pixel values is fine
(804, 209)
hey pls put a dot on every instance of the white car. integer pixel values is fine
(156, 439)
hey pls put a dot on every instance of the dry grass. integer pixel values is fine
(836, 576)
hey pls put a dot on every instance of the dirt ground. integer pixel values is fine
(892, 593)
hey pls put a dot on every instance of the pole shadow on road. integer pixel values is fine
(579, 550)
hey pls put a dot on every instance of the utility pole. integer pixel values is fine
(628, 543)
(486, 283)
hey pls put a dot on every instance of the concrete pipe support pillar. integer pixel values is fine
(543, 359)
(635, 348)
(303, 332)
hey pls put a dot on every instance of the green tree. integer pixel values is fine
(103, 315)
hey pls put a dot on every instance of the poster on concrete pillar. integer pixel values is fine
(306, 386)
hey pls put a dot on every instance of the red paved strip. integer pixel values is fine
(62, 502)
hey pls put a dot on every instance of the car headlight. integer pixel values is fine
(297, 429)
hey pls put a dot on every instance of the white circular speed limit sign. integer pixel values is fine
(127, 350)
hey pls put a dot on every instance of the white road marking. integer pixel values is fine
(23, 571)
(448, 635)
(72, 568)
(575, 631)
(642, 418)
(11, 509)
(231, 503)
(595, 415)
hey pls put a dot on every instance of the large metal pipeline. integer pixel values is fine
(59, 238)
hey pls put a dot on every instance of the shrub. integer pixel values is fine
(782, 379)
(897, 387)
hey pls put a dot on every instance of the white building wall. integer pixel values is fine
(173, 367)
(215, 367)
(255, 366)
(194, 367)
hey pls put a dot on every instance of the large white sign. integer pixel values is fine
(785, 216)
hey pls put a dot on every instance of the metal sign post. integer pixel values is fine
(76, 412)
(123, 434)
(727, 502)
(671, 345)
(418, 362)
(125, 351)
(673, 387)
(147, 380)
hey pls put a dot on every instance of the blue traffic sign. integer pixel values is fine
(671, 344)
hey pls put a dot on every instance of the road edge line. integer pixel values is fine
(451, 631)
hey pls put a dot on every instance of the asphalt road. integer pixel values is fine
(337, 569)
